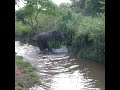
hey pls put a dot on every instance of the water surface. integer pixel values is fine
(61, 71)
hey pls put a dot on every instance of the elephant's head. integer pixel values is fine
(58, 36)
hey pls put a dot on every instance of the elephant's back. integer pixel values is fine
(43, 36)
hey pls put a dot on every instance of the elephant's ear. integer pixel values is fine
(53, 34)
(50, 36)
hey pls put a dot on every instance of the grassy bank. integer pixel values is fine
(86, 37)
(25, 75)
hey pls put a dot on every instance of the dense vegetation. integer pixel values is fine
(82, 22)
(25, 76)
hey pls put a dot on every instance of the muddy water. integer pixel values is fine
(61, 71)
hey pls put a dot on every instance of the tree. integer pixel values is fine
(78, 5)
(89, 7)
(93, 7)
(35, 7)
(28, 15)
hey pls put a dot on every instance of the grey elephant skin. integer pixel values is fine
(44, 37)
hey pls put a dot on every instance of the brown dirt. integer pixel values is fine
(18, 71)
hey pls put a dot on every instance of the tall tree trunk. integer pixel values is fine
(31, 23)
(36, 20)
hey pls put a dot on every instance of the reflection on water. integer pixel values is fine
(61, 71)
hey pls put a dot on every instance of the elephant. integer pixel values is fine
(44, 37)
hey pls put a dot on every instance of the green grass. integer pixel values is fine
(55, 44)
(28, 78)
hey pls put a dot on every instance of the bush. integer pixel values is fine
(89, 41)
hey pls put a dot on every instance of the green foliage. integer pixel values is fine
(84, 35)
(22, 31)
(35, 6)
(68, 24)
(55, 44)
(45, 23)
(78, 5)
(82, 23)
(33, 18)
(88, 7)
(90, 39)
(94, 6)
